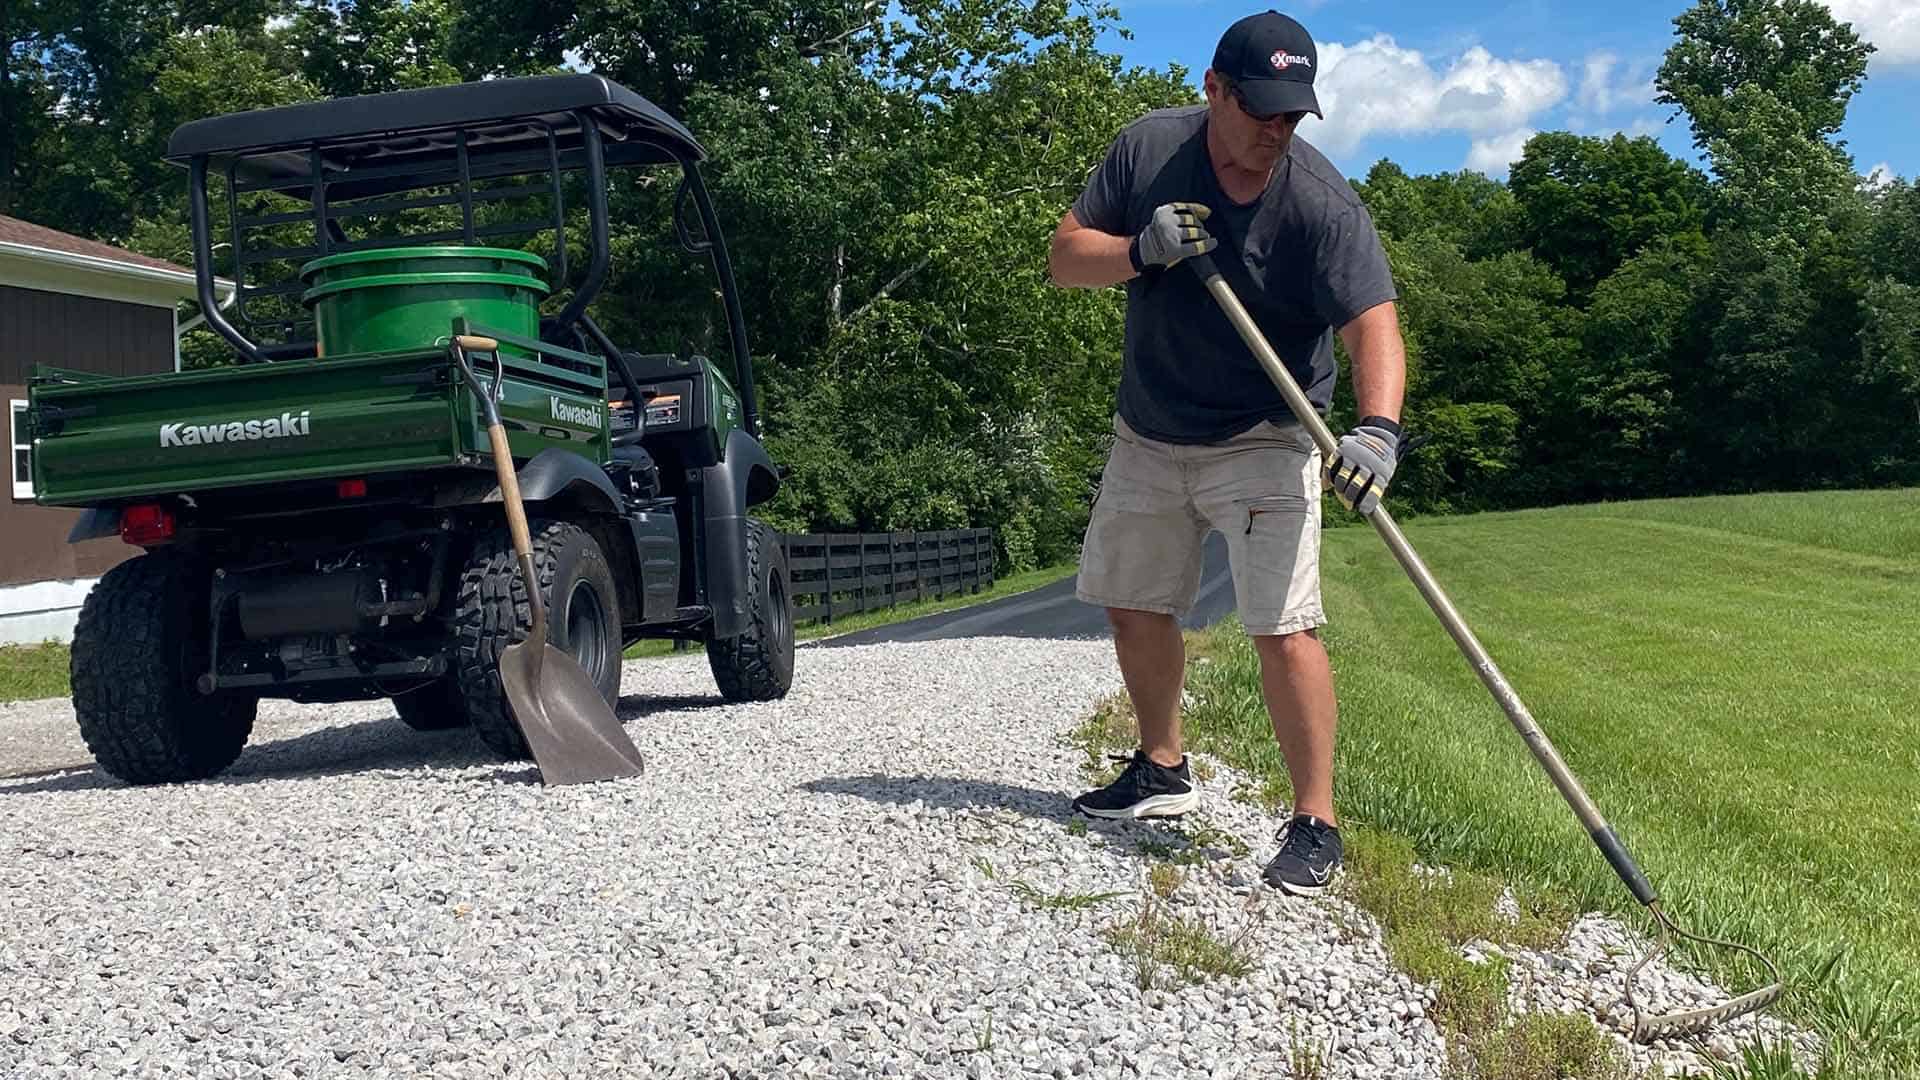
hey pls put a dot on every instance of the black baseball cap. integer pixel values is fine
(1272, 59)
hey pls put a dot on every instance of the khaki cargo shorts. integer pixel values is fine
(1158, 501)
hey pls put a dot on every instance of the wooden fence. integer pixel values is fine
(838, 574)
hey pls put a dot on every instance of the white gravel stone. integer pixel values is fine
(796, 888)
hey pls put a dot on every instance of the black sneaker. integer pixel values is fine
(1146, 789)
(1309, 854)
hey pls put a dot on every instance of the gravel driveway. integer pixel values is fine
(850, 882)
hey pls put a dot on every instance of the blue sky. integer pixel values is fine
(1443, 86)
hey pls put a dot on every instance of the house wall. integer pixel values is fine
(42, 577)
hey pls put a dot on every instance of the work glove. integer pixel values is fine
(1363, 462)
(1175, 233)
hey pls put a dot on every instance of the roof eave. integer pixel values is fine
(184, 279)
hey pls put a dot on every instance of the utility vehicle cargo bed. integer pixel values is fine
(110, 439)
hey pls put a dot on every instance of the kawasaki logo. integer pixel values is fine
(584, 415)
(285, 426)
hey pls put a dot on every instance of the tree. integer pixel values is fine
(1789, 53)
(1484, 339)
(1893, 243)
(1591, 204)
(1466, 209)
(1890, 340)
(1615, 399)
(1765, 84)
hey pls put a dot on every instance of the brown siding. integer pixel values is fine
(33, 538)
(81, 333)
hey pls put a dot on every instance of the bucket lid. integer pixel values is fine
(348, 258)
(458, 277)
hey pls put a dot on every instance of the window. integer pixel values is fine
(22, 455)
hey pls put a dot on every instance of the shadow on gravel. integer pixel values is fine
(1188, 840)
(364, 746)
(360, 747)
(634, 706)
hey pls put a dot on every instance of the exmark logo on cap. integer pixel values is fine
(285, 426)
(1282, 60)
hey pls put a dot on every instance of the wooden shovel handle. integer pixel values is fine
(510, 491)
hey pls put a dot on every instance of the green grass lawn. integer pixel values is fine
(33, 671)
(847, 624)
(1733, 679)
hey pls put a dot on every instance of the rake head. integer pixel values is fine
(1648, 1028)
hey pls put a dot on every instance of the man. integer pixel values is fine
(1203, 439)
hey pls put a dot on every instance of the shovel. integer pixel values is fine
(572, 731)
(1646, 1028)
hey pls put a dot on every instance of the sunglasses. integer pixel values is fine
(1240, 98)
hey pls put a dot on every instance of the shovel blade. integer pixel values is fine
(573, 733)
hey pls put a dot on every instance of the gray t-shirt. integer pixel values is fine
(1304, 259)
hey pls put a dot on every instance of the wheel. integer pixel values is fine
(435, 707)
(758, 664)
(139, 646)
(491, 612)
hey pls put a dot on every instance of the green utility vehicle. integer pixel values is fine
(321, 520)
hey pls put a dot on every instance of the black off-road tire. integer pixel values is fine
(491, 612)
(758, 664)
(138, 648)
(437, 707)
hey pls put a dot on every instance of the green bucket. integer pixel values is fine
(389, 299)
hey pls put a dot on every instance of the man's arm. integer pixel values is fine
(1083, 257)
(1379, 360)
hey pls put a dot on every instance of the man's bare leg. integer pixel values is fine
(1298, 684)
(1153, 663)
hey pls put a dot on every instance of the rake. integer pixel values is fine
(1646, 1028)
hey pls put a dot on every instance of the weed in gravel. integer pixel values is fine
(1265, 793)
(1062, 901)
(1427, 916)
(1306, 1059)
(1166, 880)
(1537, 1046)
(1109, 729)
(1171, 848)
(1457, 906)
(1163, 944)
(1205, 833)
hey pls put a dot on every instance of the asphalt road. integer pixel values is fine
(1048, 612)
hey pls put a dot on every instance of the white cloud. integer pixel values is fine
(1880, 176)
(1892, 25)
(1493, 156)
(1378, 87)
(1601, 92)
(1596, 89)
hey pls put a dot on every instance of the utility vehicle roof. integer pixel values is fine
(506, 121)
